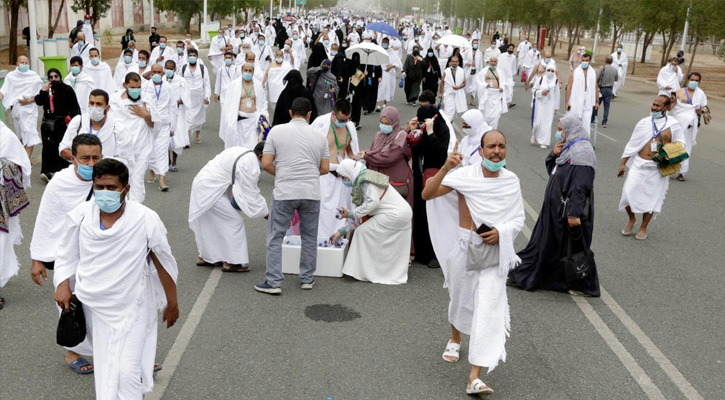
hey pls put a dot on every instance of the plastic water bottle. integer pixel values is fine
(402, 83)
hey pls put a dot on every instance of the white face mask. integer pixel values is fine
(96, 113)
(279, 60)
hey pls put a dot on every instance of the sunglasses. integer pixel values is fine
(54, 77)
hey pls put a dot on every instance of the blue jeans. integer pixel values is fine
(280, 218)
(607, 95)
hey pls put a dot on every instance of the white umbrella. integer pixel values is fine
(370, 54)
(455, 41)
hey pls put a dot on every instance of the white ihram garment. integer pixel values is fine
(179, 127)
(120, 290)
(491, 101)
(162, 96)
(275, 83)
(119, 75)
(116, 141)
(386, 89)
(19, 85)
(102, 77)
(82, 85)
(620, 63)
(669, 77)
(545, 107)
(244, 132)
(582, 100)
(198, 84)
(333, 194)
(686, 114)
(218, 227)
(454, 101)
(644, 187)
(479, 305)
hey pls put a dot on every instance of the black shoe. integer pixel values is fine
(358, 126)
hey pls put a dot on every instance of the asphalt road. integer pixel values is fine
(656, 333)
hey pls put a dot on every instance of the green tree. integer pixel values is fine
(96, 8)
(14, 7)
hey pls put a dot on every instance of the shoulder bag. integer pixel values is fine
(71, 325)
(480, 256)
(580, 265)
(234, 170)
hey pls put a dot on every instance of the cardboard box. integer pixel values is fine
(329, 259)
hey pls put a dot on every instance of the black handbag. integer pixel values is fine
(580, 265)
(71, 325)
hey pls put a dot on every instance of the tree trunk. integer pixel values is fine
(572, 41)
(670, 44)
(648, 37)
(13, 53)
(689, 66)
(557, 29)
(634, 56)
(54, 26)
(616, 33)
(665, 41)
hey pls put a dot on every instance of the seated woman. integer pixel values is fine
(379, 249)
(571, 166)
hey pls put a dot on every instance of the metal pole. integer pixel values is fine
(596, 38)
(206, 22)
(271, 8)
(151, 17)
(234, 15)
(33, 26)
(687, 26)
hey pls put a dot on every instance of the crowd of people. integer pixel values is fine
(291, 95)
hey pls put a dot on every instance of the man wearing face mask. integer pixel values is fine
(342, 141)
(18, 94)
(119, 295)
(582, 92)
(59, 102)
(451, 90)
(180, 98)
(162, 52)
(143, 65)
(522, 51)
(100, 72)
(386, 89)
(226, 75)
(218, 46)
(180, 56)
(507, 66)
(82, 47)
(81, 82)
(98, 122)
(161, 95)
(491, 99)
(669, 78)
(491, 51)
(69, 188)
(645, 188)
(197, 77)
(122, 68)
(298, 50)
(620, 62)
(263, 53)
(242, 105)
(690, 102)
(474, 61)
(138, 115)
(272, 81)
(223, 192)
(490, 216)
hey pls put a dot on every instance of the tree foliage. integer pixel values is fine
(96, 8)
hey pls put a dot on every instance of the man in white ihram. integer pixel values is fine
(226, 187)
(582, 93)
(118, 254)
(620, 63)
(489, 199)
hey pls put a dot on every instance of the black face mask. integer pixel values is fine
(510, 52)
(416, 53)
(325, 69)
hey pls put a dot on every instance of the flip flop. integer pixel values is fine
(203, 263)
(2, 302)
(627, 231)
(173, 168)
(478, 387)
(640, 236)
(236, 268)
(164, 188)
(79, 363)
(149, 180)
(452, 350)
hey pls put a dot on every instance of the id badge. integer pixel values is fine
(249, 103)
(325, 96)
(653, 147)
(473, 71)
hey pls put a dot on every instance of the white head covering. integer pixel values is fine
(350, 169)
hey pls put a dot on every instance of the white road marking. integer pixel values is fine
(172, 360)
(624, 356)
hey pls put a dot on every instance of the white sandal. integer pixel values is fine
(478, 387)
(452, 350)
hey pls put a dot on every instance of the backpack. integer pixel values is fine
(183, 70)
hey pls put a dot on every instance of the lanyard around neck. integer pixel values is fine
(90, 128)
(573, 143)
(337, 143)
(157, 89)
(656, 133)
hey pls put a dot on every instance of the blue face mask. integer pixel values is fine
(127, 59)
(23, 67)
(162, 46)
(295, 37)
(585, 64)
(142, 64)
(192, 60)
(156, 78)
(347, 183)
(108, 201)
(169, 73)
(692, 85)
(386, 129)
(85, 172)
(134, 93)
(385, 45)
(339, 124)
(247, 76)
(179, 50)
(261, 43)
(75, 70)
(227, 62)
(95, 60)
(656, 114)
(493, 166)
(557, 136)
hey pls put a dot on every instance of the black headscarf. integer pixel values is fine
(318, 55)
(292, 90)
(293, 79)
(59, 87)
(433, 60)
(433, 148)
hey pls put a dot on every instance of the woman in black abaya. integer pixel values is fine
(294, 88)
(571, 166)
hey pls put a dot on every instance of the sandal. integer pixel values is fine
(77, 365)
(627, 231)
(478, 387)
(203, 263)
(452, 350)
(150, 180)
(164, 188)
(640, 236)
(236, 268)
(173, 168)
(2, 302)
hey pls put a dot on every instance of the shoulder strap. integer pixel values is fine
(90, 194)
(234, 167)
(183, 70)
(201, 66)
(80, 124)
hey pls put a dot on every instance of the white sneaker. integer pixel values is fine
(307, 286)
(543, 146)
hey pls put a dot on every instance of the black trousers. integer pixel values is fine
(52, 161)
